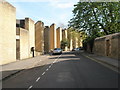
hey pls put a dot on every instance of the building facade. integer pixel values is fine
(59, 37)
(22, 43)
(46, 39)
(25, 40)
(30, 26)
(65, 37)
(52, 36)
(39, 37)
(7, 33)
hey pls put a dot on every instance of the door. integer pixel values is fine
(107, 47)
(17, 49)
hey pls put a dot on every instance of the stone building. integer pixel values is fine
(65, 37)
(59, 37)
(71, 44)
(80, 41)
(39, 37)
(108, 45)
(76, 42)
(22, 43)
(52, 36)
(75, 39)
(70, 39)
(46, 39)
(7, 32)
(29, 25)
(25, 33)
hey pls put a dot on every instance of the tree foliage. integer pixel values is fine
(96, 18)
(75, 33)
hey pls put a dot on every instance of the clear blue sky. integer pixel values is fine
(48, 11)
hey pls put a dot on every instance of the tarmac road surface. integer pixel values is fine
(64, 71)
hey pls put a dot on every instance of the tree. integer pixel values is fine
(64, 43)
(73, 34)
(96, 18)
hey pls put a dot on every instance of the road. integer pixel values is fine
(65, 71)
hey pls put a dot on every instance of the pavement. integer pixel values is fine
(11, 69)
(106, 61)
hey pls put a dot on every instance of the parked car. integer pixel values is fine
(75, 49)
(81, 48)
(57, 51)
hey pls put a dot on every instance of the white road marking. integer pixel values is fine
(43, 73)
(38, 79)
(54, 61)
(30, 87)
(58, 57)
(49, 66)
(47, 69)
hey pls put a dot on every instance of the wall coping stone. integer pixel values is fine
(115, 35)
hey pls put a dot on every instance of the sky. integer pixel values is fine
(47, 11)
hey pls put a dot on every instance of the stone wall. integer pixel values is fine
(99, 46)
(115, 46)
(108, 45)
(7, 33)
